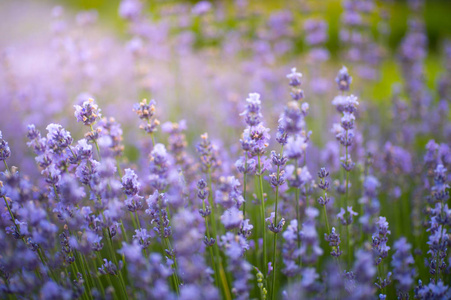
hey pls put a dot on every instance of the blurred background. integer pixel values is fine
(200, 59)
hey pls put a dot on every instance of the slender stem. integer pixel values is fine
(153, 140)
(348, 244)
(327, 219)
(175, 278)
(218, 260)
(133, 220)
(110, 283)
(113, 255)
(207, 233)
(244, 185)
(6, 166)
(88, 281)
(124, 233)
(274, 260)
(298, 208)
(137, 220)
(262, 211)
(97, 145)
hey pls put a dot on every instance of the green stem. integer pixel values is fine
(298, 208)
(124, 233)
(6, 166)
(244, 185)
(327, 219)
(114, 258)
(97, 145)
(348, 244)
(207, 233)
(110, 283)
(262, 212)
(175, 278)
(153, 140)
(88, 281)
(274, 260)
(218, 260)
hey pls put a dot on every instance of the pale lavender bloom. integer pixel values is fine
(228, 193)
(51, 290)
(234, 248)
(132, 252)
(290, 252)
(158, 212)
(364, 272)
(82, 151)
(246, 228)
(294, 77)
(316, 31)
(292, 119)
(159, 167)
(309, 277)
(349, 216)
(403, 271)
(58, 139)
(259, 135)
(192, 267)
(130, 183)
(130, 9)
(143, 237)
(232, 218)
(432, 291)
(310, 248)
(396, 159)
(134, 203)
(380, 239)
(295, 147)
(334, 241)
(201, 8)
(109, 268)
(252, 114)
(69, 190)
(276, 228)
(246, 166)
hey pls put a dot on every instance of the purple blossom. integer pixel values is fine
(88, 112)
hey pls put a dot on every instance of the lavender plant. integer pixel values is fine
(93, 208)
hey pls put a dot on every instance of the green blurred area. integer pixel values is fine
(436, 14)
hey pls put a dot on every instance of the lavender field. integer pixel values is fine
(225, 150)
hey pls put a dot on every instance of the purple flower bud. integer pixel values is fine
(88, 112)
(5, 151)
(343, 79)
